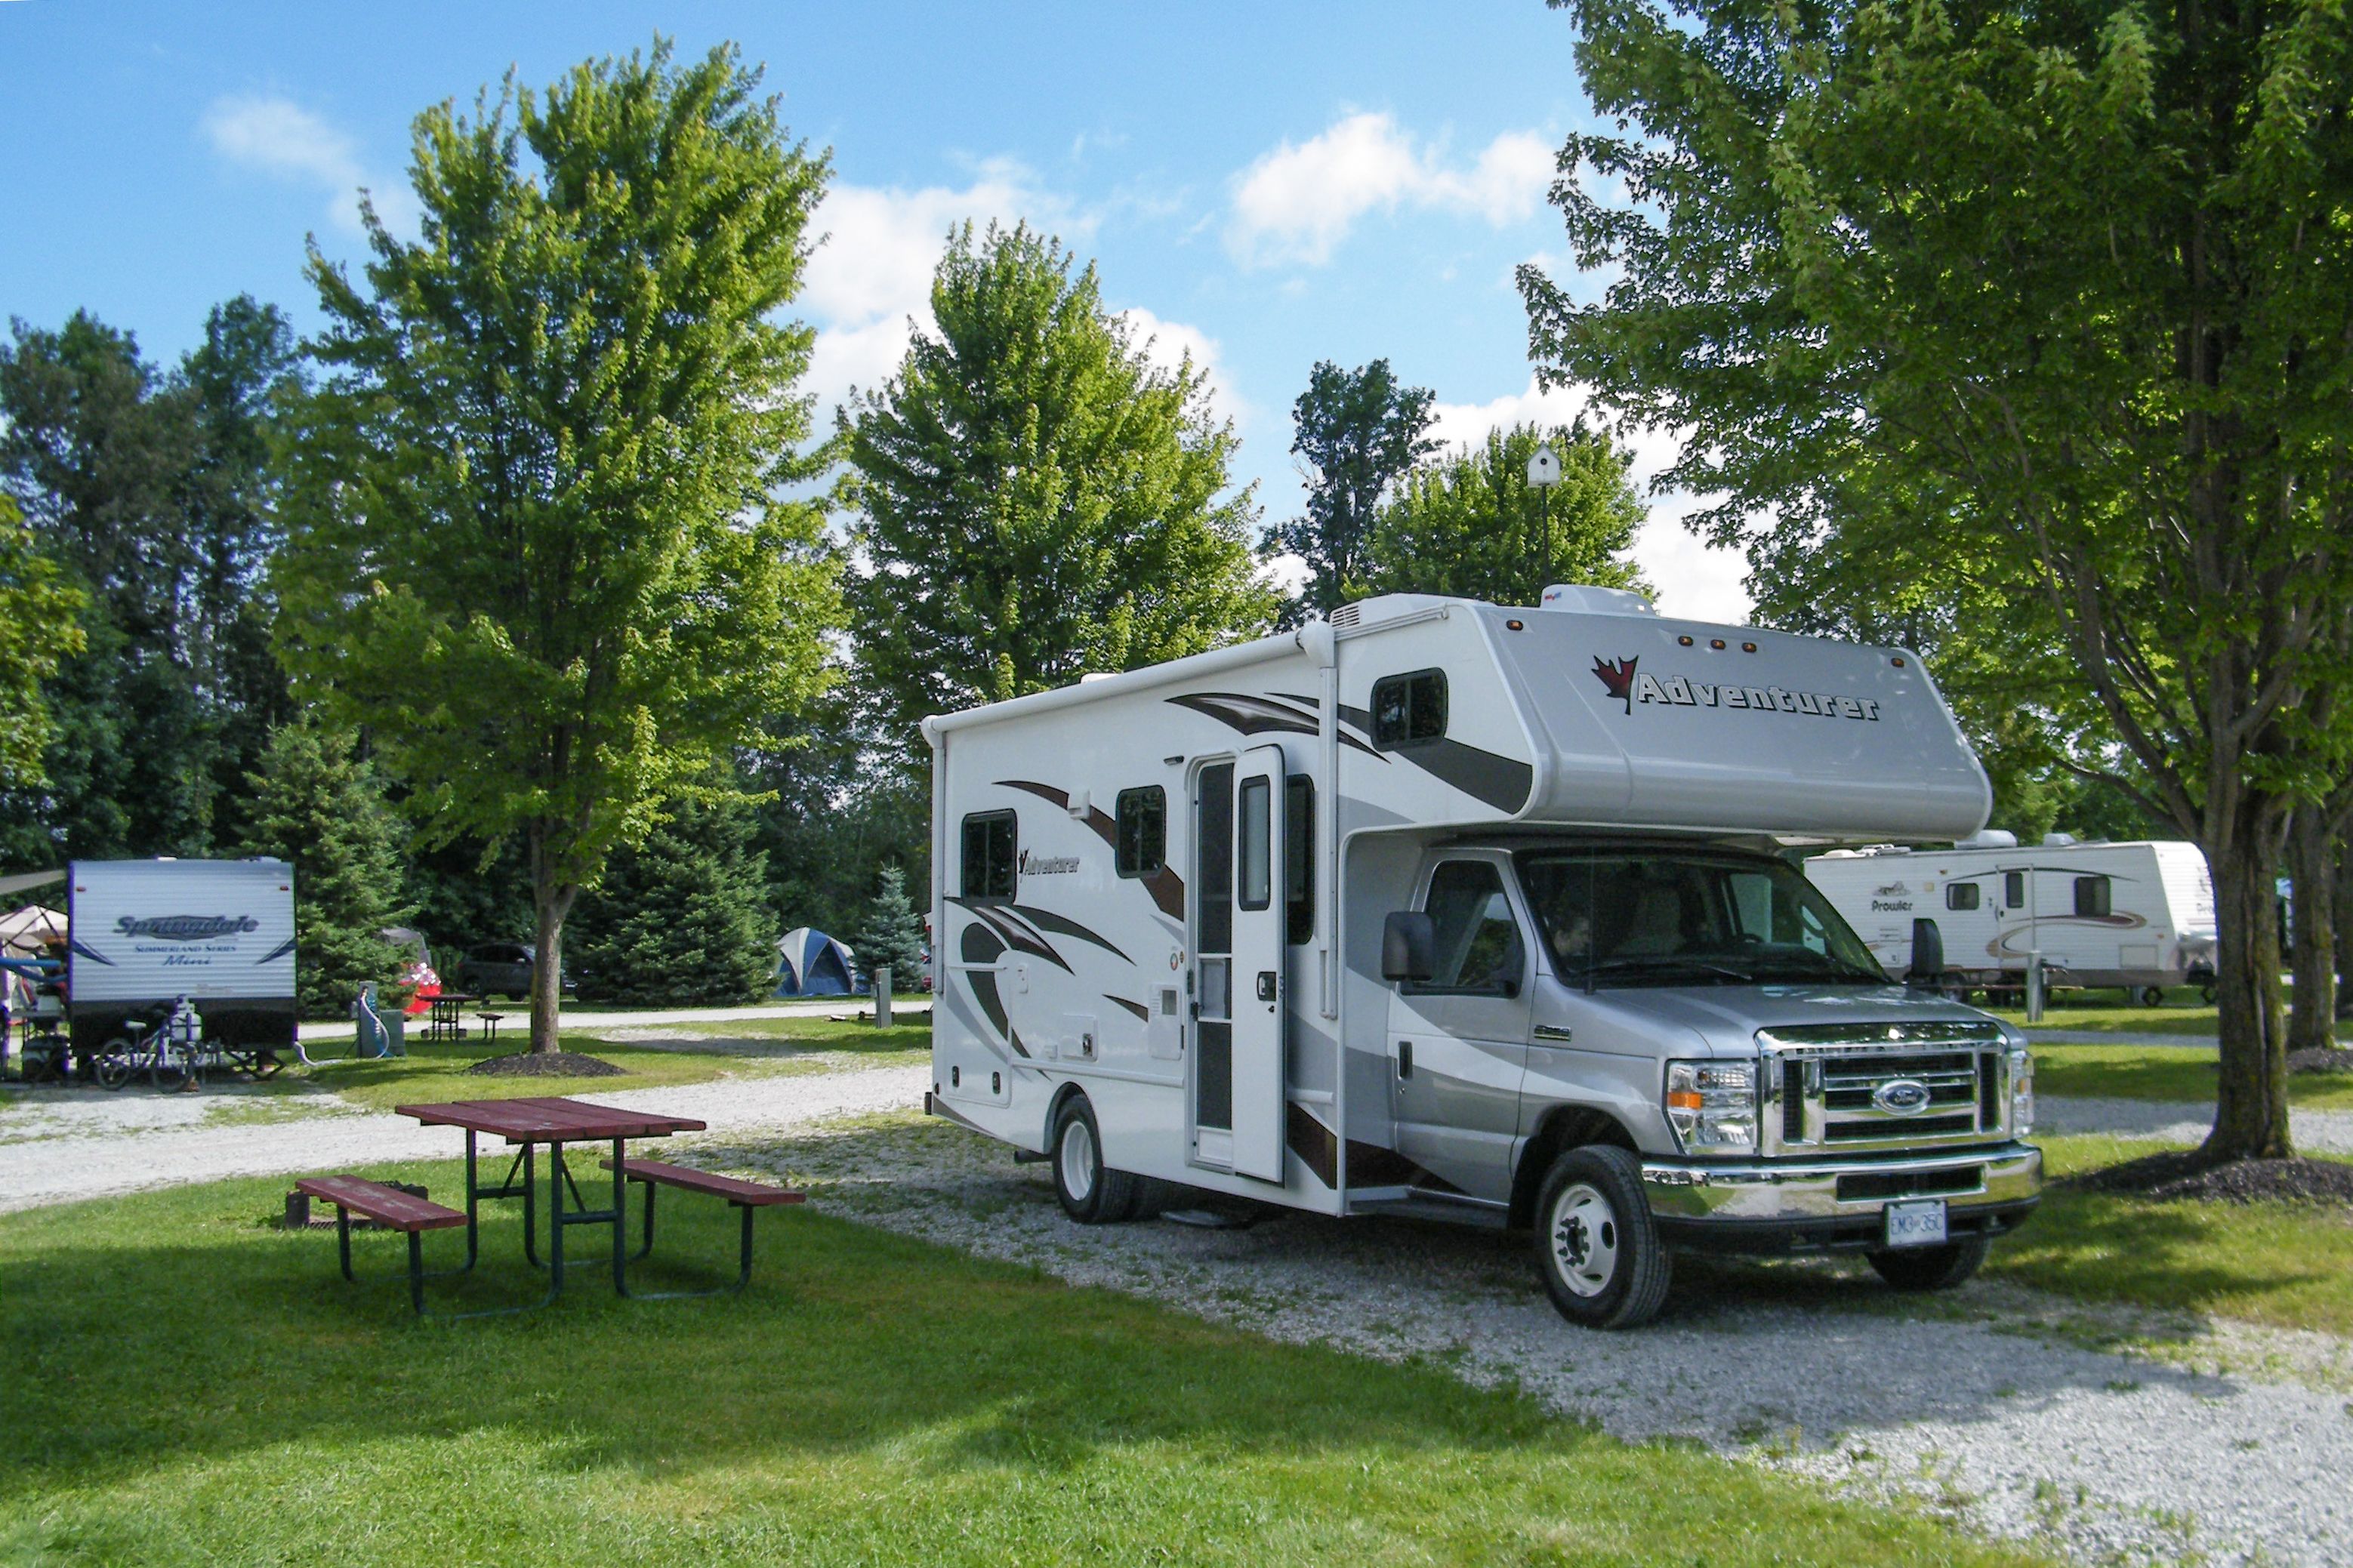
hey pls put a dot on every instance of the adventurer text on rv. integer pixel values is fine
(1446, 910)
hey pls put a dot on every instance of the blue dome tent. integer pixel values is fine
(811, 964)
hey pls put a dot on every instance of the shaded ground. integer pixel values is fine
(547, 1064)
(2186, 1173)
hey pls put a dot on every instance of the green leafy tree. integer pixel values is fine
(536, 541)
(2084, 274)
(1471, 524)
(1038, 500)
(681, 920)
(1359, 432)
(834, 802)
(37, 629)
(893, 933)
(318, 806)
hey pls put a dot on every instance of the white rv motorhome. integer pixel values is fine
(2137, 915)
(142, 933)
(1446, 910)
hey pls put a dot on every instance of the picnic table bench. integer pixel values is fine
(389, 1207)
(747, 1199)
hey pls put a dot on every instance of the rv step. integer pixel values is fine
(1438, 1206)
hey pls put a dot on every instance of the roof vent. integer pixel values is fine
(1989, 838)
(1346, 616)
(1588, 599)
(2059, 840)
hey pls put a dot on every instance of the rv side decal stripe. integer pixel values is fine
(1061, 925)
(1484, 775)
(86, 952)
(1313, 1142)
(1254, 715)
(1142, 1013)
(1166, 887)
(275, 954)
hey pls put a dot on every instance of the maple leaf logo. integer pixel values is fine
(1619, 678)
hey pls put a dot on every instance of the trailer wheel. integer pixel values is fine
(1090, 1190)
(1931, 1267)
(1598, 1251)
(2152, 996)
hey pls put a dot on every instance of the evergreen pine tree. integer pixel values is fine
(320, 808)
(892, 933)
(683, 920)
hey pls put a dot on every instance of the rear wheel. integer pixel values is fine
(112, 1068)
(1089, 1191)
(1597, 1251)
(1931, 1267)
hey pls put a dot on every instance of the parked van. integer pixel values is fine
(1448, 910)
(2138, 915)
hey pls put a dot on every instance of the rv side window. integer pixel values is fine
(2092, 895)
(1299, 859)
(988, 854)
(1961, 895)
(2013, 888)
(1258, 833)
(1142, 831)
(1478, 943)
(1409, 708)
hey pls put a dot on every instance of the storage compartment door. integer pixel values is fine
(1257, 963)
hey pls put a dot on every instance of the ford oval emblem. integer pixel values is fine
(1901, 1096)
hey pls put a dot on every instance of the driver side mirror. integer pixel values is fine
(1408, 947)
(1928, 971)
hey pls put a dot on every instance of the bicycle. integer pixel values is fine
(169, 1063)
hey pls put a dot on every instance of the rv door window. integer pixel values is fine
(1478, 941)
(988, 854)
(1299, 859)
(1258, 842)
(1142, 831)
(2013, 888)
(1409, 708)
(2092, 896)
(1961, 895)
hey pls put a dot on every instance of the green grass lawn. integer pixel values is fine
(2098, 1012)
(2164, 1072)
(190, 1386)
(436, 1071)
(2290, 1265)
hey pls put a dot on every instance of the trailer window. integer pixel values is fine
(1143, 832)
(2092, 895)
(1299, 859)
(1257, 834)
(1409, 708)
(1962, 895)
(2013, 888)
(988, 854)
(1478, 941)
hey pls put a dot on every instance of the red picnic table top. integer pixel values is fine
(550, 1121)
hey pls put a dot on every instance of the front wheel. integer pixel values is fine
(1090, 1190)
(1597, 1251)
(1931, 1267)
(112, 1068)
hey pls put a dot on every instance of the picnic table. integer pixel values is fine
(447, 1019)
(526, 1124)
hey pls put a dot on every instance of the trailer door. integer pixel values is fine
(1259, 1001)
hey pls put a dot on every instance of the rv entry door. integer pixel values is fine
(1238, 946)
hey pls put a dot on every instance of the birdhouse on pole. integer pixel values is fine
(1544, 469)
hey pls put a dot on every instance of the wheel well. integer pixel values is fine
(1564, 1127)
(1063, 1097)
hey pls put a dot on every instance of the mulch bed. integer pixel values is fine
(549, 1064)
(2320, 1058)
(2187, 1173)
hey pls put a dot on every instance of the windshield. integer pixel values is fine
(1687, 918)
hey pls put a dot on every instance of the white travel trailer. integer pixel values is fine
(2137, 915)
(1453, 911)
(142, 933)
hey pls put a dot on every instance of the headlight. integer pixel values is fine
(1712, 1106)
(2021, 1094)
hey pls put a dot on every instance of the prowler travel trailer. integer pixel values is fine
(1451, 910)
(2140, 915)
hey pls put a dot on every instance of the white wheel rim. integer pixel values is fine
(1078, 1160)
(1584, 1239)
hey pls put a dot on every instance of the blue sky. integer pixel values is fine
(1264, 185)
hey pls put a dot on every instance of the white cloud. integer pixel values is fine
(1694, 580)
(280, 138)
(1297, 202)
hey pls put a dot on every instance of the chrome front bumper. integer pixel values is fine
(2006, 1177)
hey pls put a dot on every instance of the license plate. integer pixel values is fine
(1919, 1224)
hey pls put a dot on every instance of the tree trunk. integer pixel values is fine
(551, 902)
(2342, 868)
(2251, 1107)
(2312, 874)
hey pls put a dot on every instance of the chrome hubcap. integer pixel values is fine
(1078, 1160)
(1584, 1239)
